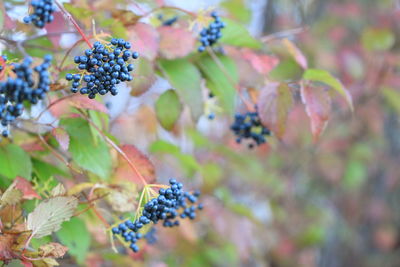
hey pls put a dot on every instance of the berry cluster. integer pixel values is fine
(167, 207)
(103, 67)
(42, 13)
(14, 91)
(167, 22)
(209, 36)
(249, 126)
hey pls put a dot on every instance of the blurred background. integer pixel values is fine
(294, 202)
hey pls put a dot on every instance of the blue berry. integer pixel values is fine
(210, 35)
(106, 66)
(42, 13)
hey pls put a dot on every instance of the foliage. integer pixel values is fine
(74, 167)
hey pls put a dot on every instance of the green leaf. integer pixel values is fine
(323, 76)
(236, 34)
(44, 170)
(76, 237)
(168, 109)
(221, 79)
(40, 45)
(378, 39)
(238, 9)
(186, 79)
(14, 161)
(355, 174)
(90, 154)
(392, 97)
(187, 161)
(49, 214)
(286, 70)
(78, 12)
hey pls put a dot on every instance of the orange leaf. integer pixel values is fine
(6, 242)
(26, 188)
(274, 104)
(263, 64)
(175, 42)
(318, 108)
(140, 161)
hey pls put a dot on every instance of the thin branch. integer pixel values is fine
(282, 34)
(116, 147)
(70, 18)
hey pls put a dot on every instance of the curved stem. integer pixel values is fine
(70, 18)
(116, 147)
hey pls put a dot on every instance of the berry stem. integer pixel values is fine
(70, 18)
(116, 147)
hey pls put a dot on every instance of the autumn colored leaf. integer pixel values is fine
(143, 165)
(11, 196)
(62, 137)
(318, 107)
(296, 53)
(49, 214)
(61, 107)
(263, 64)
(53, 250)
(325, 77)
(26, 188)
(6, 242)
(175, 42)
(145, 39)
(274, 104)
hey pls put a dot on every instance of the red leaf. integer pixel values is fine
(57, 25)
(143, 165)
(62, 137)
(144, 39)
(296, 53)
(274, 104)
(318, 108)
(32, 146)
(175, 42)
(80, 101)
(263, 64)
(26, 188)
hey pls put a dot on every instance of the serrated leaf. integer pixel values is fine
(49, 214)
(323, 76)
(318, 107)
(274, 104)
(53, 250)
(76, 237)
(221, 80)
(168, 109)
(186, 79)
(286, 70)
(145, 38)
(14, 161)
